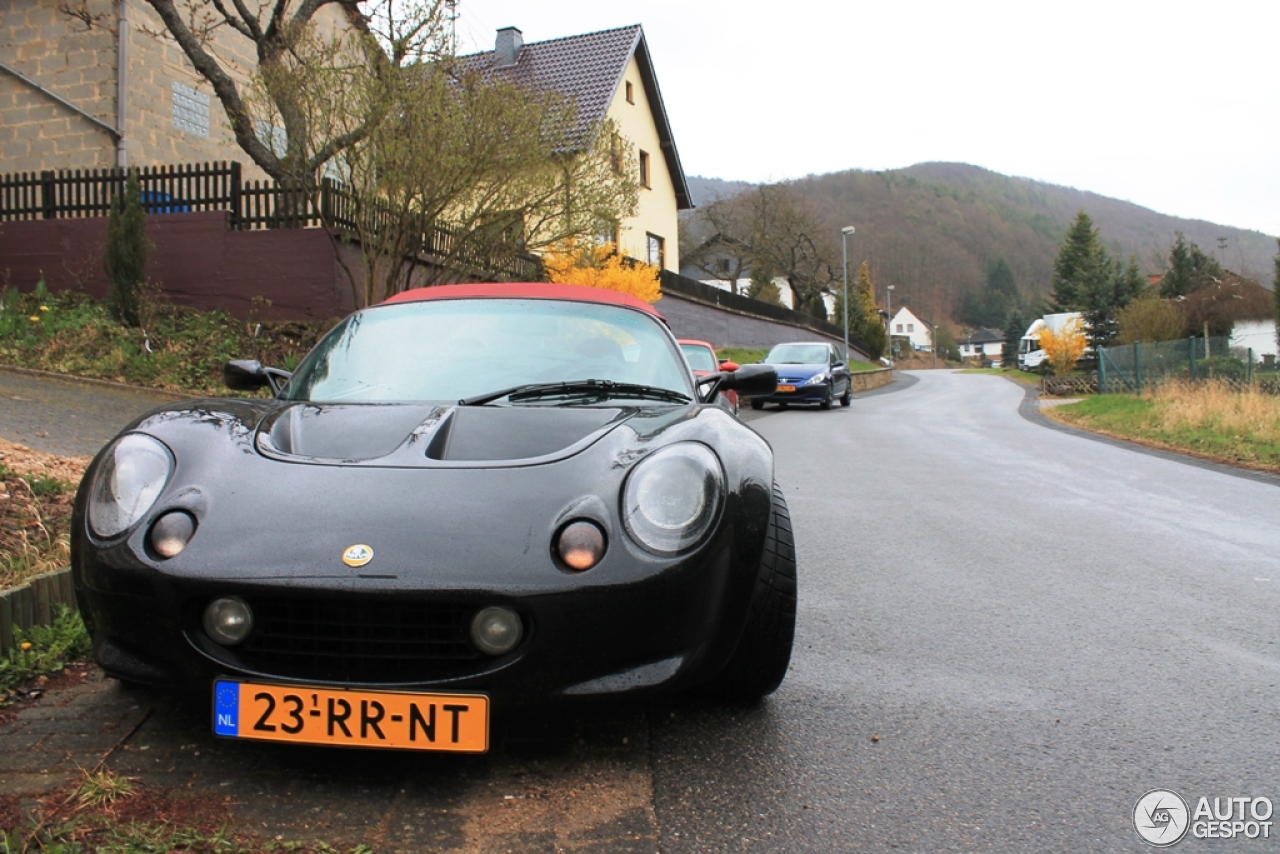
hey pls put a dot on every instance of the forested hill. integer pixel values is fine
(931, 229)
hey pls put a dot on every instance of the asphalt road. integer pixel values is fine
(66, 417)
(1007, 635)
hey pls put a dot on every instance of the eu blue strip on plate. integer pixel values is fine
(226, 708)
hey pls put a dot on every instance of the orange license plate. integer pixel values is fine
(786, 388)
(457, 723)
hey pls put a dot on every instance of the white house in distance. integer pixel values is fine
(906, 325)
(983, 345)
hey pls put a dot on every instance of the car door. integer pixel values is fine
(840, 377)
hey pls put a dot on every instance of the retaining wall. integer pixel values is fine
(35, 603)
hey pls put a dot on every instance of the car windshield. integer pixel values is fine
(452, 349)
(700, 358)
(797, 354)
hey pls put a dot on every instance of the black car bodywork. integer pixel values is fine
(452, 507)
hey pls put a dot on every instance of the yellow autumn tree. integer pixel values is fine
(601, 266)
(1063, 348)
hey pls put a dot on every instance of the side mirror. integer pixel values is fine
(244, 375)
(250, 375)
(751, 380)
(728, 366)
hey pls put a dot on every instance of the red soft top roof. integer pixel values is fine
(524, 290)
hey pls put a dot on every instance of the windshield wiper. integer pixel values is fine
(601, 389)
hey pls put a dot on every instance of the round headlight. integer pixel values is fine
(496, 630)
(228, 620)
(128, 483)
(672, 497)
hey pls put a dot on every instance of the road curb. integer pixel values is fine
(90, 381)
(1030, 410)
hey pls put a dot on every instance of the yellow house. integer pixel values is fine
(609, 75)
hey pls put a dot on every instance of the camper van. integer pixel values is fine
(1030, 356)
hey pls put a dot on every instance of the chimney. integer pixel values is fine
(510, 40)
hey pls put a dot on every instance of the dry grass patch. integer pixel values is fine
(36, 494)
(1207, 419)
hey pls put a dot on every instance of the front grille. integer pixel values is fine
(360, 640)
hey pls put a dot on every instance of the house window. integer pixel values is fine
(911, 327)
(657, 254)
(900, 330)
(723, 266)
(631, 94)
(644, 169)
(190, 110)
(608, 235)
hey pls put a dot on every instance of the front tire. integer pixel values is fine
(757, 404)
(847, 397)
(826, 401)
(759, 663)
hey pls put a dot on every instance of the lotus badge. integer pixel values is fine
(357, 555)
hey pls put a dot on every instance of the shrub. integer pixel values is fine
(125, 255)
(1222, 367)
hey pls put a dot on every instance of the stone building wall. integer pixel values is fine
(172, 114)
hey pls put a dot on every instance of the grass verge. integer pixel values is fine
(106, 813)
(1205, 419)
(35, 520)
(175, 348)
(42, 651)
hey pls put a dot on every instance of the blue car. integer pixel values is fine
(808, 372)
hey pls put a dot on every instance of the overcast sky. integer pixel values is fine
(1171, 105)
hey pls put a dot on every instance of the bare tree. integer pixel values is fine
(768, 228)
(471, 177)
(296, 58)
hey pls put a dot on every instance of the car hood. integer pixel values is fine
(787, 372)
(409, 435)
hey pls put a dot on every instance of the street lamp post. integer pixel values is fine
(844, 254)
(888, 323)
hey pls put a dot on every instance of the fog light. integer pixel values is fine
(580, 545)
(171, 533)
(496, 630)
(228, 621)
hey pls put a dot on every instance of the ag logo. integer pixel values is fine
(357, 555)
(1161, 817)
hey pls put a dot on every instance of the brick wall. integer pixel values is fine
(77, 60)
(73, 59)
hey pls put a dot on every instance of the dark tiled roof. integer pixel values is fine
(587, 70)
(984, 336)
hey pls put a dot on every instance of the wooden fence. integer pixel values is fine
(250, 205)
(35, 603)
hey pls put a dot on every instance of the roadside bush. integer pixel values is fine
(1223, 368)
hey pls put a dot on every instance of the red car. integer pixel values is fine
(702, 358)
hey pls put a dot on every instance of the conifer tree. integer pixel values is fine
(1013, 330)
(124, 257)
(1081, 268)
(1275, 292)
(864, 317)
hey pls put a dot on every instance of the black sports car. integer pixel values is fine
(467, 496)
